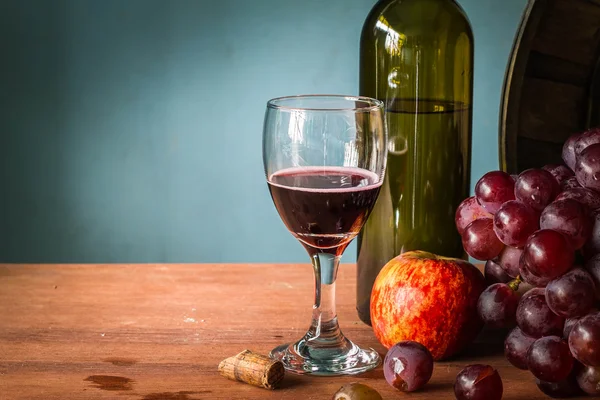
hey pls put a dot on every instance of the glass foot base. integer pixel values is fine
(302, 358)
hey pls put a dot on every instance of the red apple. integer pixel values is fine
(428, 299)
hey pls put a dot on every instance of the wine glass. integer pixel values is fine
(324, 158)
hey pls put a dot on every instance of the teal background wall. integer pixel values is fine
(130, 130)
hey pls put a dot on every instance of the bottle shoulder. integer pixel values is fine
(416, 18)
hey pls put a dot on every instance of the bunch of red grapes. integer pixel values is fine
(541, 230)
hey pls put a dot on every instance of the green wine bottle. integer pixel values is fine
(417, 57)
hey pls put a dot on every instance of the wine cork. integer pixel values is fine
(253, 369)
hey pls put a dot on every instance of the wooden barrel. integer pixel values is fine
(552, 83)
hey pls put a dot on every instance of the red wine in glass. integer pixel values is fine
(324, 159)
(324, 207)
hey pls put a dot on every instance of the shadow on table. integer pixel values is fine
(292, 380)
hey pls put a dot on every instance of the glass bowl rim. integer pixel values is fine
(370, 104)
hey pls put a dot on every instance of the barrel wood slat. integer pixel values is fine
(551, 88)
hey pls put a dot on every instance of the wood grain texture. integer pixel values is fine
(531, 152)
(561, 113)
(153, 332)
(542, 66)
(569, 30)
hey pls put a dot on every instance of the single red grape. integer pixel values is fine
(536, 188)
(516, 345)
(497, 306)
(535, 318)
(588, 379)
(560, 172)
(572, 294)
(509, 260)
(480, 241)
(493, 189)
(570, 323)
(587, 168)
(585, 140)
(514, 222)
(530, 278)
(568, 151)
(494, 273)
(582, 195)
(548, 254)
(408, 366)
(468, 211)
(349, 391)
(549, 359)
(478, 382)
(584, 340)
(569, 217)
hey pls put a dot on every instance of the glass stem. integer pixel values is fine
(324, 330)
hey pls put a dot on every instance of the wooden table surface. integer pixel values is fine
(157, 332)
